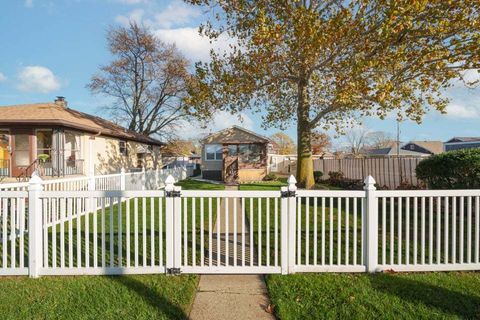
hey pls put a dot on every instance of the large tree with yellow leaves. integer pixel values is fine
(318, 63)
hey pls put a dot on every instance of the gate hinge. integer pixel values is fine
(287, 194)
(173, 271)
(173, 194)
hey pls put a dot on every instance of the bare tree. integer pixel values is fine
(381, 139)
(147, 80)
(357, 140)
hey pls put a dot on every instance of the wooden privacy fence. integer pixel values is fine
(389, 172)
(233, 231)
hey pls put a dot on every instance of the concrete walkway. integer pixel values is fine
(230, 296)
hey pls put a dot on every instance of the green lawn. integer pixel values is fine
(365, 296)
(103, 297)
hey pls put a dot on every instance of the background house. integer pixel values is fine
(457, 143)
(426, 147)
(234, 155)
(56, 141)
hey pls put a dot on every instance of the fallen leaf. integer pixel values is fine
(270, 308)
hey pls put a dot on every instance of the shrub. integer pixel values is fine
(458, 169)
(317, 176)
(337, 179)
(270, 177)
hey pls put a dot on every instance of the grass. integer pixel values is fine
(447, 295)
(91, 297)
(450, 295)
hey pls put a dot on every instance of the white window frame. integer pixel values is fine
(120, 147)
(214, 153)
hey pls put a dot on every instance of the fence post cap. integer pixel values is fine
(35, 181)
(291, 182)
(369, 183)
(122, 171)
(169, 183)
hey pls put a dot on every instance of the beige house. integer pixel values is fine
(234, 155)
(56, 141)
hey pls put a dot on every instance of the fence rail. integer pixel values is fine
(139, 180)
(62, 232)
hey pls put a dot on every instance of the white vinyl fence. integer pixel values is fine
(236, 231)
(140, 180)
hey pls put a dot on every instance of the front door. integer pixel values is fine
(230, 164)
(21, 152)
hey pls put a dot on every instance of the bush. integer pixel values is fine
(458, 169)
(337, 179)
(317, 176)
(270, 177)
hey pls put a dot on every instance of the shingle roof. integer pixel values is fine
(463, 139)
(52, 114)
(434, 147)
(394, 152)
(228, 136)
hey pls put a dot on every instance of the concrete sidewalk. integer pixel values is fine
(230, 296)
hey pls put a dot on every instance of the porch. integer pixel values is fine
(50, 152)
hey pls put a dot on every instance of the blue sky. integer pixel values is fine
(51, 48)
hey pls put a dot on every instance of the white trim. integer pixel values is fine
(102, 271)
(430, 267)
(231, 270)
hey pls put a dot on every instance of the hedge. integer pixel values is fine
(458, 169)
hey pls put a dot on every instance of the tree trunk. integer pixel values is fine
(304, 155)
(304, 145)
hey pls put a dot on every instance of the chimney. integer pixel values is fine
(60, 101)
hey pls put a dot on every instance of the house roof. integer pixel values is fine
(434, 147)
(235, 134)
(463, 139)
(52, 114)
(393, 152)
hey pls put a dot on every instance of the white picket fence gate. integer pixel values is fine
(222, 231)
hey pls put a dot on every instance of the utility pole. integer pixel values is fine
(398, 151)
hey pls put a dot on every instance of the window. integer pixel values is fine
(412, 147)
(214, 152)
(44, 145)
(232, 149)
(72, 146)
(122, 147)
(250, 153)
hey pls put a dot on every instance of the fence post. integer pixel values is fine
(91, 181)
(292, 221)
(371, 229)
(284, 229)
(122, 179)
(169, 216)
(35, 223)
(143, 178)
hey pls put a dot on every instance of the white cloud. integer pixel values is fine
(37, 79)
(191, 43)
(2, 77)
(134, 16)
(172, 24)
(29, 3)
(176, 13)
(455, 110)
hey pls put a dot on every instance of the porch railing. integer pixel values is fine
(69, 167)
(4, 168)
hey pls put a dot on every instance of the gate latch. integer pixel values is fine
(172, 194)
(173, 271)
(287, 194)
